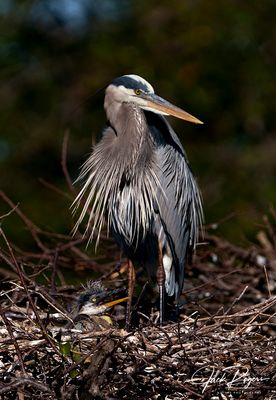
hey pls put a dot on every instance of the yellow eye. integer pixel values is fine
(137, 91)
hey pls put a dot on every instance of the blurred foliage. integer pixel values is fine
(215, 59)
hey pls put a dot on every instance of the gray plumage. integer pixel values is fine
(138, 181)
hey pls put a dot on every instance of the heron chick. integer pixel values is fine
(139, 182)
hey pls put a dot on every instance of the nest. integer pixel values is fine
(222, 345)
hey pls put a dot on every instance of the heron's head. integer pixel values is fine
(136, 90)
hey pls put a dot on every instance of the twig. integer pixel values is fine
(236, 300)
(64, 162)
(19, 355)
(19, 271)
(17, 382)
(247, 255)
(9, 212)
(54, 272)
(270, 230)
(267, 281)
(55, 189)
(34, 230)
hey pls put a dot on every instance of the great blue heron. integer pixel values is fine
(139, 181)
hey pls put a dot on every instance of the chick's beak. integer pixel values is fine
(114, 302)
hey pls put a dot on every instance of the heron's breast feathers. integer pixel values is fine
(124, 199)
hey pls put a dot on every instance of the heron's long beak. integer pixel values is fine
(154, 102)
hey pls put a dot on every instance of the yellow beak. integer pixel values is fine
(154, 102)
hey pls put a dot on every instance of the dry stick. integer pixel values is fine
(267, 281)
(236, 300)
(7, 274)
(47, 298)
(221, 221)
(226, 246)
(27, 255)
(34, 230)
(19, 271)
(140, 296)
(44, 294)
(72, 243)
(83, 358)
(51, 301)
(8, 261)
(64, 162)
(211, 282)
(265, 242)
(198, 395)
(55, 189)
(24, 381)
(273, 213)
(248, 311)
(246, 324)
(257, 308)
(8, 325)
(220, 320)
(115, 268)
(54, 272)
(81, 254)
(107, 336)
(9, 212)
(270, 231)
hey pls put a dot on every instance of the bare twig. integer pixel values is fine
(19, 271)
(19, 382)
(236, 300)
(19, 355)
(34, 230)
(56, 189)
(54, 272)
(267, 281)
(64, 162)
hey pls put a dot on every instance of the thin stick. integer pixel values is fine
(19, 271)
(64, 161)
(54, 272)
(19, 355)
(34, 230)
(236, 300)
(9, 212)
(55, 189)
(19, 382)
(267, 281)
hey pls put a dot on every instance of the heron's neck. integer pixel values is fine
(134, 143)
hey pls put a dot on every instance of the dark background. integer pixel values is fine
(215, 59)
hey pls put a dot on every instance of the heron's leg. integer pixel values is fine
(131, 284)
(160, 277)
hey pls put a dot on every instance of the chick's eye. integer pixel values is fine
(137, 91)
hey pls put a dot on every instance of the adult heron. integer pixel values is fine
(139, 182)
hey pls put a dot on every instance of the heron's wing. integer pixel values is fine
(179, 201)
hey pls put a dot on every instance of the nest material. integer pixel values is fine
(221, 347)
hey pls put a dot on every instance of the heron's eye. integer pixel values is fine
(138, 92)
